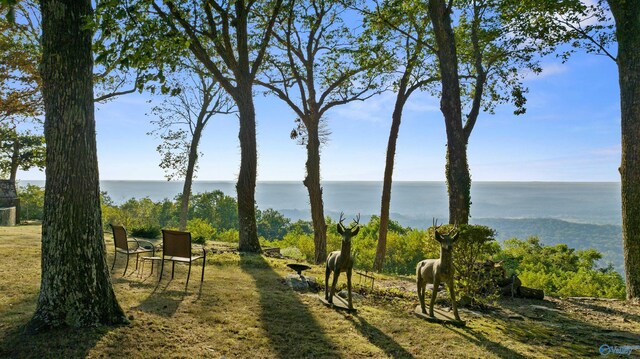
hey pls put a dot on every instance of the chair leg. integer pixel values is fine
(161, 270)
(204, 260)
(137, 258)
(188, 275)
(126, 266)
(115, 255)
(173, 267)
(153, 254)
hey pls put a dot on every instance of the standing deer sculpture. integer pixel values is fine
(341, 261)
(436, 271)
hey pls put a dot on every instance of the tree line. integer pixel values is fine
(472, 54)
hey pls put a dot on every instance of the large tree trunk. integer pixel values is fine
(457, 169)
(312, 182)
(396, 118)
(627, 17)
(458, 180)
(246, 185)
(188, 179)
(75, 286)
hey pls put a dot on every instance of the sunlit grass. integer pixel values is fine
(243, 309)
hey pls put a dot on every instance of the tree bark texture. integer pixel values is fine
(76, 286)
(246, 185)
(457, 168)
(627, 17)
(15, 158)
(312, 182)
(188, 179)
(396, 119)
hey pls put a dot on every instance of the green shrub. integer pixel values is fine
(292, 252)
(31, 202)
(146, 231)
(229, 235)
(475, 245)
(201, 230)
(272, 224)
(404, 251)
(560, 270)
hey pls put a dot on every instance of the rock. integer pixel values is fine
(302, 283)
(545, 308)
(465, 301)
(471, 312)
(354, 295)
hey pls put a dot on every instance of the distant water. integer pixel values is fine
(412, 203)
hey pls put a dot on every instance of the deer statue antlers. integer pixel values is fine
(342, 229)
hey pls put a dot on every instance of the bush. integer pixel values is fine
(147, 231)
(475, 245)
(292, 252)
(31, 202)
(201, 230)
(230, 236)
(272, 224)
(560, 270)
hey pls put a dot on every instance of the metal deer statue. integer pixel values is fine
(436, 271)
(341, 261)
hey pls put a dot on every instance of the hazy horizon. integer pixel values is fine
(323, 181)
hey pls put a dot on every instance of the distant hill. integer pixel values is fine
(605, 238)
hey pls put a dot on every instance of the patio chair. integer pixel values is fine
(123, 246)
(176, 247)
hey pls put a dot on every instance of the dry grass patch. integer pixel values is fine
(243, 309)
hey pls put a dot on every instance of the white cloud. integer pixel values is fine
(377, 109)
(548, 70)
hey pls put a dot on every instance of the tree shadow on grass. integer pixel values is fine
(560, 330)
(162, 302)
(380, 339)
(482, 341)
(290, 327)
(64, 342)
(596, 307)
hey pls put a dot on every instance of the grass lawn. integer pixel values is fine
(243, 310)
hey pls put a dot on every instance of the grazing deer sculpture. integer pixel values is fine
(341, 261)
(436, 271)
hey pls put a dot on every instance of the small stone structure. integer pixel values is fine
(9, 203)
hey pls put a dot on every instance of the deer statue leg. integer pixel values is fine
(336, 273)
(434, 294)
(421, 287)
(452, 292)
(327, 272)
(349, 287)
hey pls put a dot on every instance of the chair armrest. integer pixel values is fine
(199, 246)
(151, 245)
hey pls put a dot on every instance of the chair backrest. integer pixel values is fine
(120, 236)
(176, 243)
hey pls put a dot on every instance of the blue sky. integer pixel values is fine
(571, 132)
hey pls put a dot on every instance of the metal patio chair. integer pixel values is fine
(122, 244)
(176, 247)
